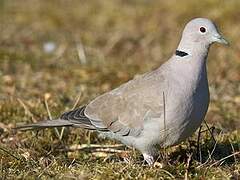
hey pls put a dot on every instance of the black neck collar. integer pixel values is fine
(180, 53)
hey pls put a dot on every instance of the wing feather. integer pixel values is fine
(123, 110)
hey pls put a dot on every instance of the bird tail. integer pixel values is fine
(52, 124)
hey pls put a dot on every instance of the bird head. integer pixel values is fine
(202, 31)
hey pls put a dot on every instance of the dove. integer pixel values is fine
(158, 109)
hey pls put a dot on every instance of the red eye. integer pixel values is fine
(202, 29)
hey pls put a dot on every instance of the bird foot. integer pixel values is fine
(149, 159)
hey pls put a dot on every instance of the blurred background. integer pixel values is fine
(56, 51)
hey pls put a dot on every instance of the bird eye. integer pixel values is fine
(202, 29)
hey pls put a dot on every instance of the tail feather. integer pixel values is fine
(74, 118)
(51, 124)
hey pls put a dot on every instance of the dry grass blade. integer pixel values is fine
(187, 166)
(221, 160)
(235, 158)
(50, 117)
(81, 53)
(77, 101)
(45, 169)
(108, 150)
(26, 109)
(95, 148)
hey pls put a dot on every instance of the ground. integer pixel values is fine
(56, 55)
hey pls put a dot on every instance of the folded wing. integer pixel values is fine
(124, 110)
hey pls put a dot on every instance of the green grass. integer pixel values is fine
(120, 38)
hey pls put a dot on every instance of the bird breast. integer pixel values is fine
(186, 107)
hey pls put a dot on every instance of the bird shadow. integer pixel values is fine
(207, 153)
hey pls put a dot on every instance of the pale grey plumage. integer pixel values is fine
(159, 108)
(124, 109)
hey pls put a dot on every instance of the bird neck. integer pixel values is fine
(194, 49)
(189, 61)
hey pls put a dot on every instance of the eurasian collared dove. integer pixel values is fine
(158, 109)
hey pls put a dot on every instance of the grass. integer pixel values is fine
(120, 39)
